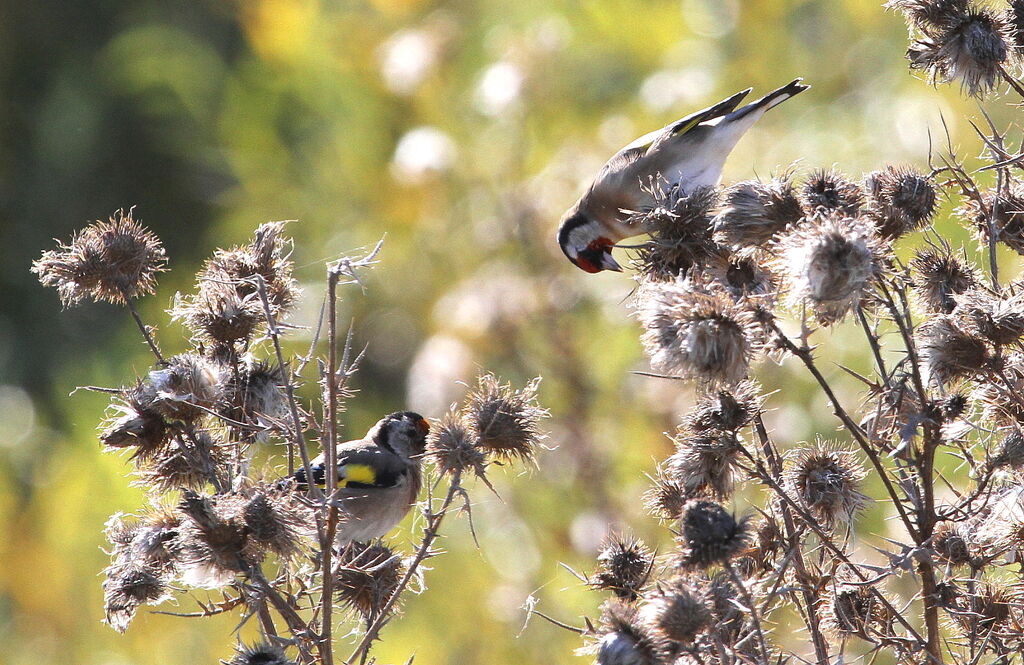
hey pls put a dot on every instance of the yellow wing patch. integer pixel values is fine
(356, 473)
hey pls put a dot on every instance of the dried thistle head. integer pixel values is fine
(826, 480)
(970, 44)
(939, 276)
(149, 541)
(767, 543)
(677, 611)
(134, 423)
(186, 388)
(368, 576)
(952, 542)
(126, 587)
(181, 465)
(254, 395)
(900, 200)
(1000, 399)
(948, 351)
(680, 228)
(852, 610)
(214, 540)
(999, 215)
(505, 422)
(218, 313)
(724, 600)
(753, 212)
(999, 320)
(696, 334)
(623, 567)
(709, 535)
(930, 15)
(623, 638)
(666, 497)
(1015, 22)
(741, 276)
(828, 264)
(1011, 450)
(263, 653)
(276, 520)
(727, 409)
(451, 446)
(268, 255)
(988, 609)
(828, 192)
(704, 462)
(113, 261)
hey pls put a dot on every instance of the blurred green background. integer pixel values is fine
(461, 130)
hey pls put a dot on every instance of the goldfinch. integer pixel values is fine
(689, 153)
(379, 476)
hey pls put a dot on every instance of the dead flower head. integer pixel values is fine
(368, 575)
(703, 462)
(741, 276)
(666, 498)
(709, 535)
(505, 422)
(451, 445)
(680, 228)
(696, 334)
(753, 212)
(999, 320)
(113, 261)
(677, 610)
(727, 409)
(971, 46)
(149, 541)
(135, 423)
(948, 351)
(900, 200)
(852, 609)
(214, 540)
(254, 396)
(624, 638)
(826, 480)
(218, 313)
(185, 388)
(1015, 19)
(930, 15)
(1011, 450)
(260, 654)
(1001, 401)
(939, 276)
(951, 541)
(181, 464)
(828, 264)
(829, 192)
(999, 215)
(128, 586)
(623, 567)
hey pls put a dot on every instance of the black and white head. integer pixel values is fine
(581, 239)
(403, 433)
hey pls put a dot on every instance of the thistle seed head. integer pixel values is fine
(828, 264)
(705, 336)
(939, 276)
(952, 543)
(368, 576)
(113, 261)
(900, 200)
(753, 212)
(666, 498)
(931, 15)
(134, 423)
(505, 422)
(704, 463)
(1011, 450)
(623, 567)
(852, 610)
(727, 410)
(948, 351)
(830, 193)
(185, 389)
(709, 535)
(451, 445)
(999, 215)
(971, 50)
(623, 638)
(999, 320)
(181, 465)
(680, 228)
(826, 480)
(260, 654)
(677, 611)
(125, 588)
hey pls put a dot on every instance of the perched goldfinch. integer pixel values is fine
(378, 476)
(689, 153)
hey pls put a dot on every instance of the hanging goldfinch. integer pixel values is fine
(687, 154)
(379, 476)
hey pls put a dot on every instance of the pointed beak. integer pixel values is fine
(609, 263)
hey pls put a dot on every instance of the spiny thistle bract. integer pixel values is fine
(505, 422)
(704, 462)
(113, 261)
(452, 446)
(951, 541)
(368, 575)
(828, 192)
(828, 264)
(851, 609)
(948, 351)
(694, 334)
(997, 319)
(939, 276)
(623, 638)
(128, 586)
(260, 654)
(727, 409)
(676, 610)
(999, 215)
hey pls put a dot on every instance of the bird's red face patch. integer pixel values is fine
(591, 259)
(423, 426)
